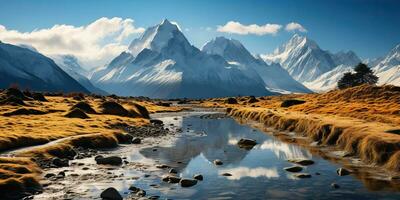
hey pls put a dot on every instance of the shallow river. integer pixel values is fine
(256, 174)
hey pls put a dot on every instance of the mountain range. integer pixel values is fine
(26, 68)
(161, 63)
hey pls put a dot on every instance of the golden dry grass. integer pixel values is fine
(355, 120)
(20, 131)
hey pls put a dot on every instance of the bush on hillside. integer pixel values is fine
(363, 75)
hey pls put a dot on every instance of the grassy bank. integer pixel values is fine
(363, 121)
(71, 121)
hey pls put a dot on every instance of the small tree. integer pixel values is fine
(363, 75)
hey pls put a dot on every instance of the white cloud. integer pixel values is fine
(293, 26)
(238, 28)
(94, 44)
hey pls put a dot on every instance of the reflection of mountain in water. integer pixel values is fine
(284, 151)
(214, 145)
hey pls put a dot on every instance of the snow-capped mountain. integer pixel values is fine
(163, 64)
(306, 61)
(388, 69)
(275, 77)
(32, 70)
(71, 66)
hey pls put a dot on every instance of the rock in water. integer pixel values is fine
(60, 162)
(342, 172)
(217, 162)
(226, 174)
(188, 182)
(110, 194)
(173, 171)
(136, 141)
(198, 177)
(303, 162)
(171, 179)
(335, 186)
(112, 160)
(293, 169)
(247, 143)
(303, 175)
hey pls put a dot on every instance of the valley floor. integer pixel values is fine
(35, 129)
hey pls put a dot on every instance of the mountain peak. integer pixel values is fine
(302, 41)
(157, 37)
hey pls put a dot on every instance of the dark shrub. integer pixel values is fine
(291, 102)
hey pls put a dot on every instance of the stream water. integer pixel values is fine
(256, 174)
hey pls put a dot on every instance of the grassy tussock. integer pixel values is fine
(18, 175)
(366, 140)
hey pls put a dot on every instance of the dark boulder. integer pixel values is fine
(246, 143)
(110, 194)
(171, 179)
(342, 172)
(293, 169)
(187, 182)
(112, 160)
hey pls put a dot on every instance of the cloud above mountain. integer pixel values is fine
(238, 28)
(234, 27)
(94, 44)
(293, 26)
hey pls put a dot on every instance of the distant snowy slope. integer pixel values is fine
(72, 67)
(30, 69)
(306, 61)
(329, 80)
(275, 77)
(388, 69)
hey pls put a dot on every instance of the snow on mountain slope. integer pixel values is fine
(329, 80)
(306, 61)
(32, 70)
(388, 69)
(71, 66)
(275, 77)
(163, 64)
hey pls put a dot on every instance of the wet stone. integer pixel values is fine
(187, 182)
(226, 174)
(335, 186)
(303, 162)
(173, 171)
(136, 141)
(218, 162)
(293, 169)
(112, 160)
(110, 194)
(342, 172)
(171, 179)
(198, 177)
(303, 175)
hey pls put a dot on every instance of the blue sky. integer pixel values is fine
(370, 28)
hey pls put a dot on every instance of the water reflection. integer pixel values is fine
(241, 172)
(285, 151)
(256, 174)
